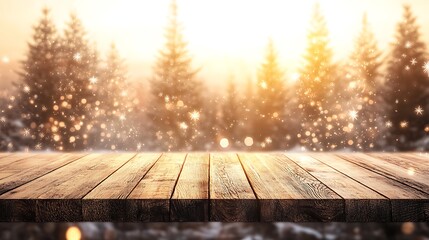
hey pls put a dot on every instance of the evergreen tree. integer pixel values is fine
(364, 75)
(176, 105)
(78, 68)
(319, 91)
(247, 121)
(229, 124)
(407, 94)
(14, 136)
(269, 130)
(113, 106)
(37, 89)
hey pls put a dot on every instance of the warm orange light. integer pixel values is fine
(73, 233)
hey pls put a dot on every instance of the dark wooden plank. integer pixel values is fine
(288, 193)
(231, 196)
(150, 200)
(58, 194)
(190, 201)
(416, 179)
(32, 168)
(362, 203)
(408, 204)
(106, 202)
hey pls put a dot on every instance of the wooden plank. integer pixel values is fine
(35, 167)
(150, 200)
(288, 193)
(416, 179)
(362, 204)
(408, 204)
(420, 157)
(58, 194)
(190, 201)
(106, 202)
(412, 164)
(231, 196)
(10, 159)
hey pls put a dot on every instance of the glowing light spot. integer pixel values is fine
(26, 89)
(419, 110)
(248, 141)
(72, 139)
(403, 124)
(5, 59)
(195, 115)
(426, 68)
(408, 228)
(224, 143)
(264, 85)
(353, 114)
(73, 233)
(295, 77)
(77, 57)
(389, 124)
(93, 80)
(183, 125)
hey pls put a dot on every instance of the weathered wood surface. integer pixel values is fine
(300, 187)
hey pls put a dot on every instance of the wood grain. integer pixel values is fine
(231, 196)
(362, 203)
(32, 168)
(418, 178)
(190, 201)
(150, 200)
(62, 189)
(401, 196)
(226, 187)
(288, 193)
(97, 205)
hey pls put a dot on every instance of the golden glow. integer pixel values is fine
(224, 36)
(224, 143)
(73, 233)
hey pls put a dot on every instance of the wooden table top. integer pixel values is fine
(266, 187)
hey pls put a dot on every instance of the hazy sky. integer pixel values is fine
(226, 37)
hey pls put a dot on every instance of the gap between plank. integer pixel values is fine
(96, 185)
(251, 186)
(382, 174)
(144, 175)
(174, 187)
(46, 173)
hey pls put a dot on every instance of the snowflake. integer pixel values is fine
(353, 114)
(38, 146)
(93, 80)
(408, 44)
(26, 132)
(195, 115)
(413, 61)
(77, 57)
(26, 89)
(426, 67)
(403, 124)
(389, 124)
(419, 110)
